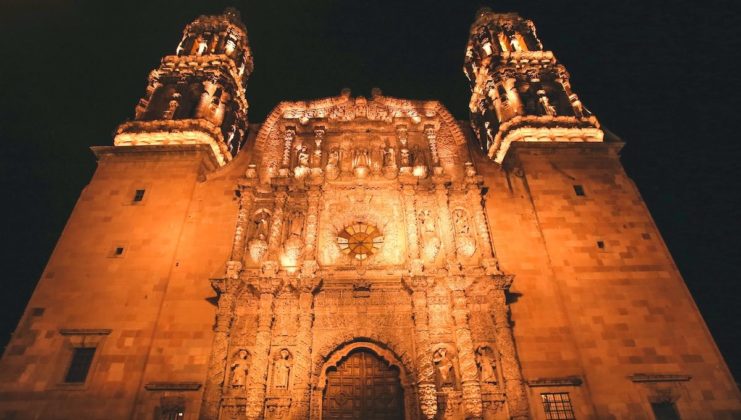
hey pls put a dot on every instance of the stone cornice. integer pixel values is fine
(85, 331)
(560, 381)
(172, 386)
(658, 377)
(102, 151)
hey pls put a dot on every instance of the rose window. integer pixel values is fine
(359, 240)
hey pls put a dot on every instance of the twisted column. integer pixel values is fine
(240, 231)
(426, 389)
(302, 358)
(463, 341)
(260, 363)
(513, 380)
(219, 348)
(290, 134)
(446, 225)
(276, 226)
(410, 213)
(432, 141)
(312, 221)
(488, 256)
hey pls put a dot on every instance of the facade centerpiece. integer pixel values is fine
(362, 258)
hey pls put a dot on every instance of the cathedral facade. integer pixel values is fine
(362, 258)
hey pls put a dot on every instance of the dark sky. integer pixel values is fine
(659, 74)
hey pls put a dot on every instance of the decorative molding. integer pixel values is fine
(562, 381)
(85, 331)
(658, 377)
(173, 386)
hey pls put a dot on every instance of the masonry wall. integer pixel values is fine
(90, 295)
(596, 294)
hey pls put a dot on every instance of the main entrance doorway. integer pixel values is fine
(363, 386)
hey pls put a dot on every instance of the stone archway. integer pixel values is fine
(363, 380)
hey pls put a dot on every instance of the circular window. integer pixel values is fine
(359, 240)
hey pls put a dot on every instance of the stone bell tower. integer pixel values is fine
(197, 95)
(519, 91)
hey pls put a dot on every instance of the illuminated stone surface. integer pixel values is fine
(362, 239)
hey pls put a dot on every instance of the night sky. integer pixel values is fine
(661, 75)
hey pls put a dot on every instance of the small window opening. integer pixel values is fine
(601, 244)
(139, 195)
(119, 250)
(665, 411)
(82, 358)
(579, 190)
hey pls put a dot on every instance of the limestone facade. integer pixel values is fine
(355, 254)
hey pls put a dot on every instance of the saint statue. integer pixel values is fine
(361, 158)
(487, 366)
(296, 224)
(405, 158)
(303, 157)
(426, 220)
(389, 157)
(239, 370)
(444, 367)
(334, 157)
(261, 228)
(460, 222)
(172, 107)
(282, 369)
(545, 104)
(514, 43)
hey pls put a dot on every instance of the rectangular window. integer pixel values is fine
(138, 195)
(665, 411)
(79, 366)
(579, 190)
(557, 405)
(173, 414)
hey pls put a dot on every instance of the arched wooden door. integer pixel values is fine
(363, 386)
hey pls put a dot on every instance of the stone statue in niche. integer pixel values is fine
(405, 158)
(460, 220)
(389, 162)
(484, 40)
(514, 43)
(172, 106)
(302, 156)
(419, 157)
(389, 157)
(262, 222)
(426, 221)
(487, 365)
(545, 105)
(361, 162)
(431, 243)
(333, 163)
(420, 166)
(282, 369)
(294, 242)
(296, 224)
(444, 366)
(239, 369)
(465, 244)
(258, 245)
